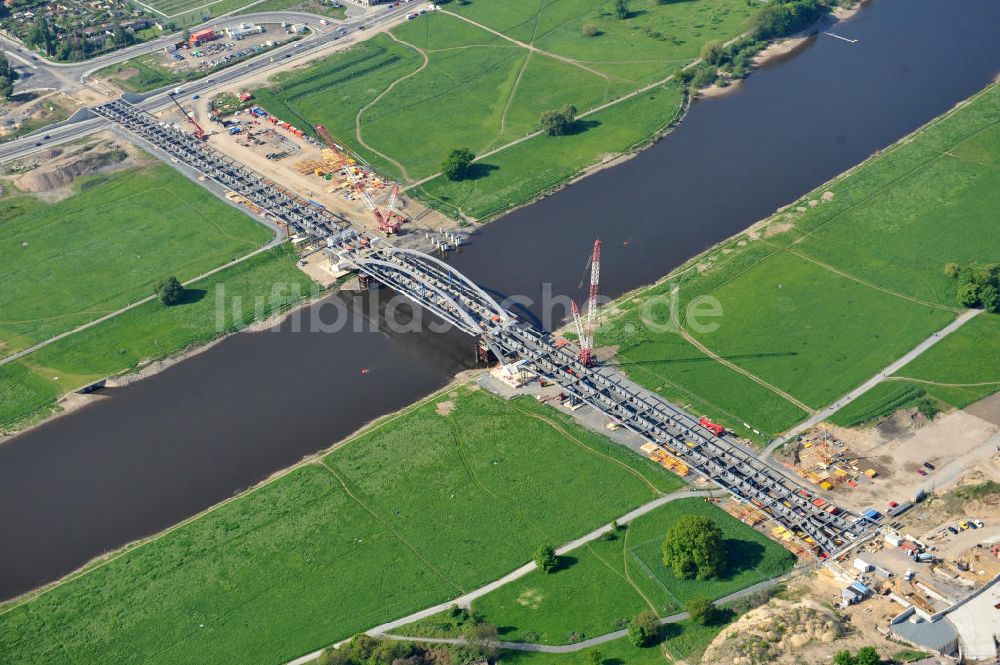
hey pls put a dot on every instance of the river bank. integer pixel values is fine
(222, 421)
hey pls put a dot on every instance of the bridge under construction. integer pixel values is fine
(433, 284)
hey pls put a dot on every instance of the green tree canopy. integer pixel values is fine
(456, 164)
(559, 123)
(867, 656)
(595, 657)
(701, 611)
(546, 559)
(169, 290)
(643, 629)
(693, 548)
(713, 51)
(843, 657)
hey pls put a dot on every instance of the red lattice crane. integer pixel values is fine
(198, 131)
(585, 328)
(387, 222)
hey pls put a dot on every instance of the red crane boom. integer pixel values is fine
(198, 131)
(586, 333)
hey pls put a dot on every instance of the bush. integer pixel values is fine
(589, 30)
(621, 9)
(712, 52)
(701, 611)
(456, 164)
(951, 270)
(643, 629)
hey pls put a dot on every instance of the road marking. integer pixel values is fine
(835, 36)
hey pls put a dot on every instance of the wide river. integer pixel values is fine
(160, 450)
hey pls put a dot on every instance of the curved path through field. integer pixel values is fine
(465, 600)
(357, 118)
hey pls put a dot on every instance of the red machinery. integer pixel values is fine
(388, 222)
(585, 330)
(714, 428)
(198, 131)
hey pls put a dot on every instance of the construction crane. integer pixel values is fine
(585, 328)
(198, 131)
(387, 222)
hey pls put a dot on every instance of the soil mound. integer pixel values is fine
(58, 172)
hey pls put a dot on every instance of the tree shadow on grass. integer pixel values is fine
(612, 661)
(191, 296)
(581, 126)
(741, 555)
(480, 170)
(564, 562)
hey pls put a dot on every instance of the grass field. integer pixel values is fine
(836, 286)
(403, 516)
(956, 371)
(30, 386)
(616, 652)
(67, 263)
(311, 6)
(606, 582)
(540, 61)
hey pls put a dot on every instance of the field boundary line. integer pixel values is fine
(529, 47)
(656, 490)
(891, 369)
(896, 377)
(837, 271)
(388, 526)
(511, 94)
(110, 315)
(733, 366)
(617, 574)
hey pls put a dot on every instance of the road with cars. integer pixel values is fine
(72, 75)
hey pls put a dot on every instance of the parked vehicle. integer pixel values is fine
(952, 529)
(928, 466)
(921, 472)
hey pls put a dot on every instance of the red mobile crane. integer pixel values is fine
(198, 131)
(585, 330)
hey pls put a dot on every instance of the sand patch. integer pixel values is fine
(530, 598)
(445, 408)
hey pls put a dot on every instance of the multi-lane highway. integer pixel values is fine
(85, 122)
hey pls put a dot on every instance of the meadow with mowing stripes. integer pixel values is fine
(833, 288)
(509, 72)
(66, 263)
(424, 505)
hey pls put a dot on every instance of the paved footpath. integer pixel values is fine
(466, 599)
(820, 416)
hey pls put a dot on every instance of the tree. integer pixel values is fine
(693, 548)
(559, 123)
(867, 656)
(621, 9)
(701, 611)
(951, 270)
(595, 657)
(990, 298)
(480, 641)
(968, 294)
(546, 559)
(169, 290)
(643, 629)
(712, 52)
(456, 164)
(589, 30)
(40, 35)
(843, 657)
